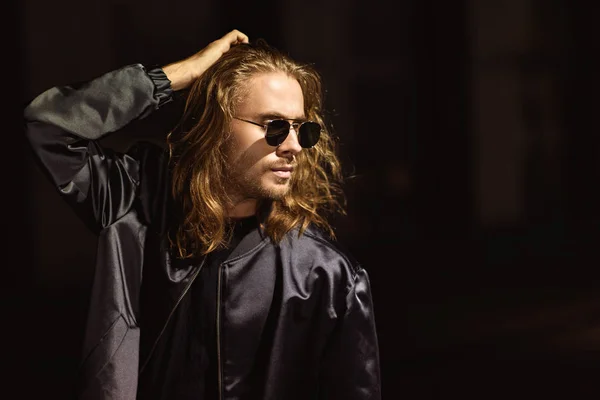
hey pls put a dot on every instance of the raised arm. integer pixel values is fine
(64, 123)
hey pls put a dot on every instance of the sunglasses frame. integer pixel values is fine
(294, 124)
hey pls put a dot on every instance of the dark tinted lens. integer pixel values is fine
(309, 134)
(277, 131)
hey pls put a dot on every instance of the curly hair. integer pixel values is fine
(198, 155)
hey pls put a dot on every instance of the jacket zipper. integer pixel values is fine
(218, 322)
(185, 290)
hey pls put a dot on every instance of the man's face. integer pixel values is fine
(258, 170)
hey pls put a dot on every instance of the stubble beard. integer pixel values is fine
(249, 185)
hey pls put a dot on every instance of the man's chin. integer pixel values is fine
(277, 190)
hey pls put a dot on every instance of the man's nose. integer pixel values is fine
(290, 145)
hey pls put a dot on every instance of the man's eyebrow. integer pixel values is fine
(276, 115)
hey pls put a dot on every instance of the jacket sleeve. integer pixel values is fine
(63, 126)
(351, 369)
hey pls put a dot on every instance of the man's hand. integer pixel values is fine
(183, 73)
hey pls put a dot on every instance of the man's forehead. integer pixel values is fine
(273, 94)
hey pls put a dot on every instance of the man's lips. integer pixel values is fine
(283, 172)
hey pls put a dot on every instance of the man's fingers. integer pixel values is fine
(231, 39)
(235, 37)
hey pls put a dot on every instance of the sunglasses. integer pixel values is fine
(277, 130)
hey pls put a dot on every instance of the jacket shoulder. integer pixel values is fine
(323, 243)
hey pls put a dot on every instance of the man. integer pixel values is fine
(215, 277)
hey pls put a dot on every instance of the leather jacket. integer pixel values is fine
(295, 319)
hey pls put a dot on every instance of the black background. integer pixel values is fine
(471, 133)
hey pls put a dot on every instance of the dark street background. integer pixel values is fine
(470, 129)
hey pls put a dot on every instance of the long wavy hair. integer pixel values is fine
(198, 155)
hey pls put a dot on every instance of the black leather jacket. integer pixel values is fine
(295, 319)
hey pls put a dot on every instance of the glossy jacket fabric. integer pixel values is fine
(295, 319)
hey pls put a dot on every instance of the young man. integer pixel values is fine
(215, 276)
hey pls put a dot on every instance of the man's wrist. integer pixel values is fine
(179, 75)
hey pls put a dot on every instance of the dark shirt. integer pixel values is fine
(186, 365)
(198, 377)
